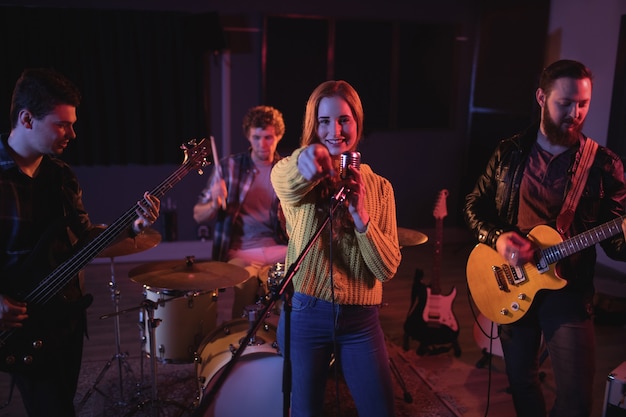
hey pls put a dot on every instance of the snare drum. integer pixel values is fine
(185, 322)
(254, 382)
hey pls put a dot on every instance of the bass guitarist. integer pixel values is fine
(41, 218)
(527, 182)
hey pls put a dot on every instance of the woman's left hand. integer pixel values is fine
(147, 211)
(356, 199)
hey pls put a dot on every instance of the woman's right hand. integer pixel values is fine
(315, 162)
(516, 249)
(219, 193)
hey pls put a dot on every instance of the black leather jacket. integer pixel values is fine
(491, 208)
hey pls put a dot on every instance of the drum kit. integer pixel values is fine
(178, 325)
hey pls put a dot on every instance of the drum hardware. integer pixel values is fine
(148, 239)
(275, 274)
(251, 313)
(148, 307)
(118, 356)
(408, 398)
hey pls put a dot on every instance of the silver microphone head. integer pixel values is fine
(352, 159)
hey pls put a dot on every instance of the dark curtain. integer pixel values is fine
(141, 74)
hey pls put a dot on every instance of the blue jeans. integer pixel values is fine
(360, 352)
(565, 322)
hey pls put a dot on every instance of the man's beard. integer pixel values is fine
(554, 133)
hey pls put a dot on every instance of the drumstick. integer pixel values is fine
(218, 168)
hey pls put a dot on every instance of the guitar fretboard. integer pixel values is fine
(582, 241)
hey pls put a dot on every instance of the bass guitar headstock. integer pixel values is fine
(196, 153)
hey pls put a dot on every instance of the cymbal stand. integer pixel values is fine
(118, 355)
(155, 404)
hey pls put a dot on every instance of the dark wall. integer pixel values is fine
(417, 66)
(617, 122)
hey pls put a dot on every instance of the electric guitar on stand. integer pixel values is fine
(430, 319)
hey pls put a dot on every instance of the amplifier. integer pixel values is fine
(615, 393)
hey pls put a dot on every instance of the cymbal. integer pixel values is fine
(189, 276)
(410, 237)
(147, 239)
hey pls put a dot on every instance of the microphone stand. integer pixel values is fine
(207, 399)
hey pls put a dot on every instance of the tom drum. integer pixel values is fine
(186, 319)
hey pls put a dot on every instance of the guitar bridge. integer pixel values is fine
(500, 277)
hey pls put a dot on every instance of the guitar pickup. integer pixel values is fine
(500, 277)
(514, 274)
(541, 262)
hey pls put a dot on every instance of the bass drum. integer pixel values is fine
(254, 385)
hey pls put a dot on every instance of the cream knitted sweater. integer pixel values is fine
(361, 263)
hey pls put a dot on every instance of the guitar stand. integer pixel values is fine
(154, 402)
(425, 349)
(118, 355)
(484, 359)
(434, 339)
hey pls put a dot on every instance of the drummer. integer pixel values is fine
(249, 228)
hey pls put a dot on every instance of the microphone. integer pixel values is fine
(348, 159)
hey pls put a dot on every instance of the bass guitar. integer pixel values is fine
(25, 349)
(504, 293)
(431, 319)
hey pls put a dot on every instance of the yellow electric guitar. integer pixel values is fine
(504, 293)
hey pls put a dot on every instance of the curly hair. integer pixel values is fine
(264, 116)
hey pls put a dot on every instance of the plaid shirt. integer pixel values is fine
(47, 208)
(238, 171)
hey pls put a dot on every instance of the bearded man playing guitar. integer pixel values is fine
(42, 219)
(522, 191)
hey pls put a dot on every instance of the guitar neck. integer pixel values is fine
(57, 279)
(582, 241)
(435, 286)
